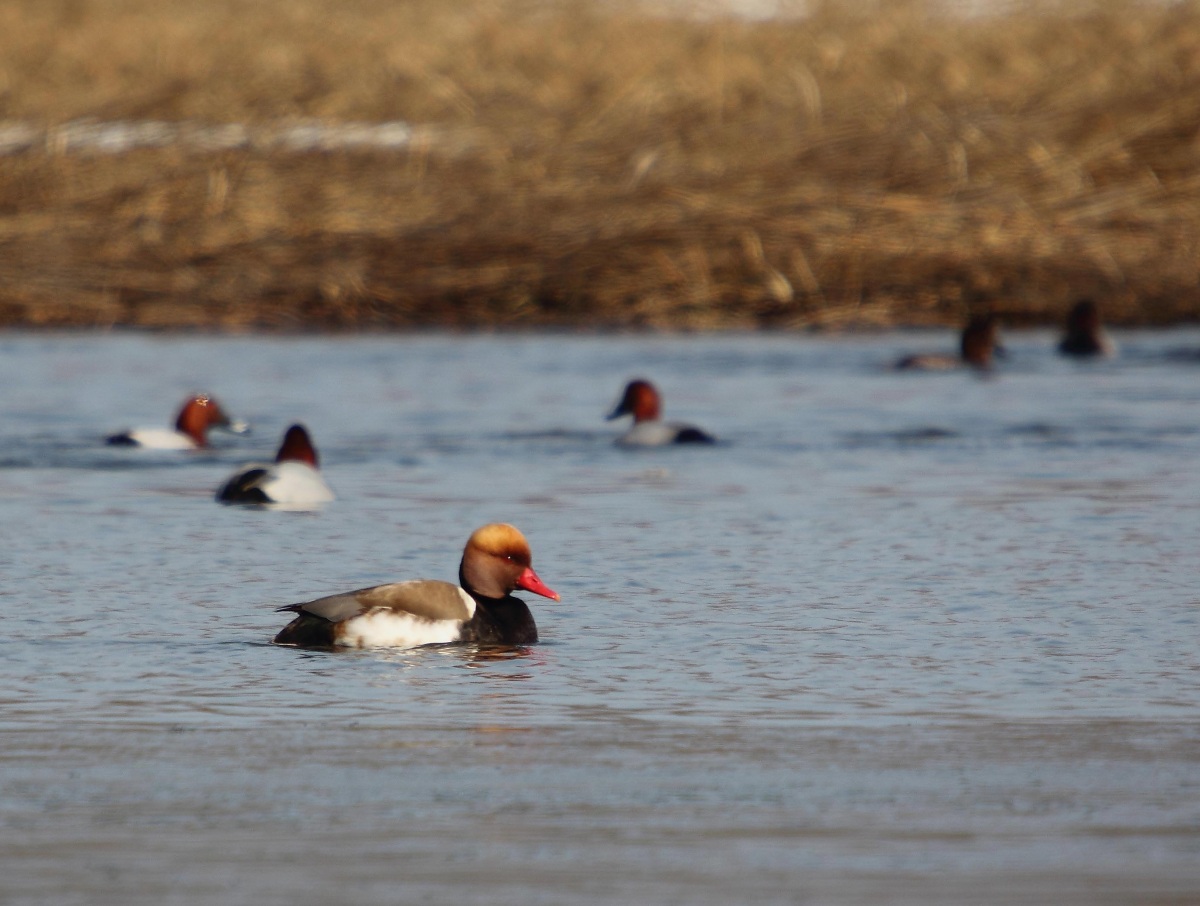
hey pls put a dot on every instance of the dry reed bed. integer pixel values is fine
(605, 169)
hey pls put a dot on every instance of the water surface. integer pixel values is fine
(899, 638)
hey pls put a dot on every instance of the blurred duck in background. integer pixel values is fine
(293, 478)
(977, 347)
(641, 400)
(199, 413)
(1085, 337)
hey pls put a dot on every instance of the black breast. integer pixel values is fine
(1080, 344)
(506, 621)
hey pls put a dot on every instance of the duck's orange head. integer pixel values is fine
(497, 560)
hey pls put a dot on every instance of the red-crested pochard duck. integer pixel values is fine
(199, 413)
(1084, 335)
(641, 400)
(977, 346)
(291, 479)
(481, 608)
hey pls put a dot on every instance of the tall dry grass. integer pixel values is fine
(593, 166)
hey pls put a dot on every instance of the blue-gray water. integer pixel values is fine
(902, 639)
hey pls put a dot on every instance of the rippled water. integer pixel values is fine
(900, 639)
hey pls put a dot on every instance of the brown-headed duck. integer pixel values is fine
(199, 413)
(1085, 336)
(977, 346)
(292, 479)
(641, 400)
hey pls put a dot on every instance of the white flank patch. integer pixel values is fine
(296, 483)
(383, 628)
(649, 434)
(162, 439)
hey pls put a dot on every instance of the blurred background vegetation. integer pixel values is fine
(595, 165)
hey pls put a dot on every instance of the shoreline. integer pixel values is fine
(594, 169)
